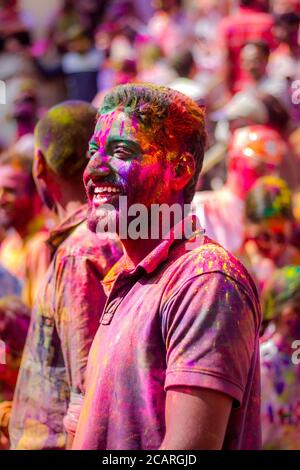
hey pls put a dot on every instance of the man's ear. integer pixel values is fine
(184, 171)
(39, 168)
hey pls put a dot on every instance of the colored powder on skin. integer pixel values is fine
(58, 137)
(61, 116)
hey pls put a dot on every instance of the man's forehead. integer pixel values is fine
(10, 176)
(115, 123)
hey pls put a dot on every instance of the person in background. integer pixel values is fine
(22, 252)
(284, 63)
(14, 324)
(9, 284)
(79, 64)
(66, 312)
(251, 22)
(25, 112)
(280, 365)
(279, 7)
(268, 229)
(169, 25)
(254, 59)
(254, 151)
(184, 64)
(284, 59)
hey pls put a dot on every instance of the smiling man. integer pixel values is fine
(174, 363)
(67, 309)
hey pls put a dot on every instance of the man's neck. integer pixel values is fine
(64, 211)
(137, 250)
(23, 229)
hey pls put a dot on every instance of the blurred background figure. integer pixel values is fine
(185, 67)
(22, 252)
(280, 361)
(251, 22)
(80, 63)
(269, 226)
(9, 284)
(24, 107)
(254, 60)
(255, 151)
(14, 324)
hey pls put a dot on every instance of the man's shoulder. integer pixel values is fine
(82, 243)
(207, 258)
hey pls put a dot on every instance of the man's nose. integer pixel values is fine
(98, 165)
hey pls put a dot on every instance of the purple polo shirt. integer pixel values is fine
(180, 318)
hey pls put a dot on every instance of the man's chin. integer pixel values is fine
(101, 220)
(92, 224)
(5, 222)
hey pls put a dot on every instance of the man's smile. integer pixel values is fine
(103, 193)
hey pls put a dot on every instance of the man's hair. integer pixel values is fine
(176, 121)
(269, 197)
(287, 19)
(63, 135)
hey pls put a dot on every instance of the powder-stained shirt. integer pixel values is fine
(64, 321)
(9, 284)
(280, 401)
(181, 318)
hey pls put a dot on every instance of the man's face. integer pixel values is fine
(254, 61)
(124, 160)
(24, 107)
(15, 197)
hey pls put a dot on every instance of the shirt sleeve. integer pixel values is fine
(210, 331)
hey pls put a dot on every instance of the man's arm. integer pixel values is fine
(209, 327)
(196, 418)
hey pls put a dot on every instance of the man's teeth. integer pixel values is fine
(106, 189)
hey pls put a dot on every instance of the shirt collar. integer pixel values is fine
(157, 256)
(64, 229)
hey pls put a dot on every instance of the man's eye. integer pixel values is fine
(122, 152)
(91, 152)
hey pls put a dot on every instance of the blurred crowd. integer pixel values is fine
(240, 59)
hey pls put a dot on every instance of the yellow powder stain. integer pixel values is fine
(34, 432)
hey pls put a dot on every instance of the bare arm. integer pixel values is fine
(196, 418)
